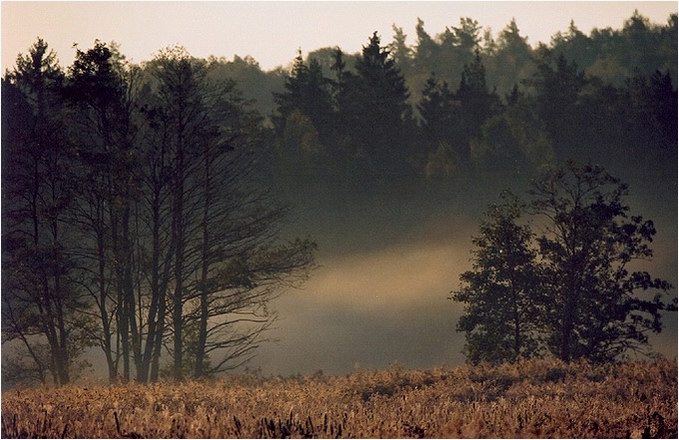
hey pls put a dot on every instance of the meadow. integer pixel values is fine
(537, 398)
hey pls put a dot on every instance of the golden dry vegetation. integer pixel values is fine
(527, 399)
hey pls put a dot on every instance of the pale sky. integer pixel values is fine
(271, 32)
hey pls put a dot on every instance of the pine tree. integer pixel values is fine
(437, 111)
(426, 49)
(307, 91)
(511, 62)
(305, 122)
(401, 52)
(557, 84)
(502, 314)
(477, 104)
(383, 104)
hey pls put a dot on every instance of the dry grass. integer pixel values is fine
(527, 399)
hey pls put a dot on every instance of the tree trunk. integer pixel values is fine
(158, 341)
(178, 212)
(205, 265)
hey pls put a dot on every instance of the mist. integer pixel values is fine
(188, 217)
(387, 265)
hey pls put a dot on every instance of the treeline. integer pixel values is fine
(135, 219)
(138, 209)
(463, 103)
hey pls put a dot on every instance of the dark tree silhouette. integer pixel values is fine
(579, 297)
(98, 88)
(557, 85)
(382, 99)
(596, 310)
(501, 293)
(38, 298)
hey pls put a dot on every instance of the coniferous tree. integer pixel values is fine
(426, 49)
(384, 109)
(308, 92)
(304, 122)
(511, 62)
(477, 104)
(402, 53)
(650, 106)
(438, 126)
(557, 85)
(501, 293)
(467, 35)
(437, 109)
(344, 152)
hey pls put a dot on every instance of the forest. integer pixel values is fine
(152, 213)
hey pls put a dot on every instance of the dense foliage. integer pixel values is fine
(463, 104)
(568, 288)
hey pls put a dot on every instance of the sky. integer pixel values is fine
(271, 32)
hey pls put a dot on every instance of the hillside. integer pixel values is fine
(527, 399)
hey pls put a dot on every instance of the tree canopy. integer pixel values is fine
(566, 287)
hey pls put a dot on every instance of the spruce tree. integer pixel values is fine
(477, 104)
(384, 109)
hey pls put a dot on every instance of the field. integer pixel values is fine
(527, 399)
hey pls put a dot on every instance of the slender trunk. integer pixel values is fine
(128, 284)
(123, 330)
(177, 311)
(202, 328)
(162, 311)
(570, 239)
(122, 316)
(63, 364)
(51, 332)
(569, 316)
(63, 338)
(567, 330)
(43, 300)
(517, 331)
(142, 375)
(103, 299)
(178, 212)
(158, 340)
(138, 286)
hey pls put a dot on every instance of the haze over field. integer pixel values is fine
(391, 194)
(380, 295)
